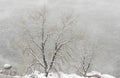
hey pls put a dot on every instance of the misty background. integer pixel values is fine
(97, 19)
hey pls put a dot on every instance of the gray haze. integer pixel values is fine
(99, 19)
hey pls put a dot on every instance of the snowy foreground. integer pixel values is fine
(36, 74)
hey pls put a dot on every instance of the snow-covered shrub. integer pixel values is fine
(7, 66)
(8, 70)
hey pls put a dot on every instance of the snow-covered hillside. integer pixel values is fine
(37, 74)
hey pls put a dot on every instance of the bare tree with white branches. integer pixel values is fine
(59, 42)
(86, 62)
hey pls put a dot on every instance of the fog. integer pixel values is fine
(99, 19)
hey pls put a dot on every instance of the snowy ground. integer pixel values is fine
(36, 74)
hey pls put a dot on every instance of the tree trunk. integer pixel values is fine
(46, 74)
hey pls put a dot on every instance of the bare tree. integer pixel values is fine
(86, 62)
(85, 65)
(38, 50)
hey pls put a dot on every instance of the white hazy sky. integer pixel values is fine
(7, 6)
(92, 8)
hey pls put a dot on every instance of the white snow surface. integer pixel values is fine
(37, 74)
(94, 73)
(107, 76)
